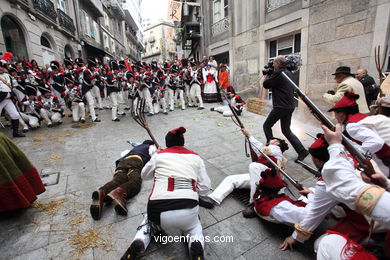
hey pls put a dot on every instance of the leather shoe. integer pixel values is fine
(206, 202)
(135, 250)
(196, 251)
(97, 204)
(119, 201)
(249, 212)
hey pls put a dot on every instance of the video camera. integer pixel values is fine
(293, 61)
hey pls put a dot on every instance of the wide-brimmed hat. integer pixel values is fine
(343, 70)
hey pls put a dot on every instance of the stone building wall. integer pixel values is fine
(342, 33)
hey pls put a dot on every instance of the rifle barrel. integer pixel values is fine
(359, 157)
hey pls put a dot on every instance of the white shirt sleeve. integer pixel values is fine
(320, 205)
(286, 212)
(340, 177)
(152, 150)
(256, 145)
(370, 139)
(147, 172)
(203, 182)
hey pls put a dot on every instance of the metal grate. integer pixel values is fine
(242, 195)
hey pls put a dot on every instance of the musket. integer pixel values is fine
(295, 183)
(364, 162)
(253, 153)
(309, 168)
(238, 122)
(140, 119)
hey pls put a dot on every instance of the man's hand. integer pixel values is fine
(305, 191)
(246, 132)
(288, 244)
(333, 137)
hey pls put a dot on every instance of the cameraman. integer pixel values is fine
(283, 105)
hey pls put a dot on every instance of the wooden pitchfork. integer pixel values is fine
(139, 117)
(379, 66)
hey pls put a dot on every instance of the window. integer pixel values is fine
(61, 4)
(221, 10)
(285, 45)
(217, 11)
(225, 8)
(45, 42)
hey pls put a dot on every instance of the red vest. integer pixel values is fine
(264, 205)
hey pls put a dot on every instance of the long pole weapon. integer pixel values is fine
(140, 119)
(238, 122)
(364, 162)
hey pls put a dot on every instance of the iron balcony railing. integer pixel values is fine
(220, 27)
(46, 7)
(65, 21)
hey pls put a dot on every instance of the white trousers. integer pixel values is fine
(125, 98)
(187, 94)
(114, 104)
(170, 98)
(32, 121)
(181, 97)
(78, 111)
(239, 181)
(175, 223)
(145, 93)
(50, 117)
(9, 108)
(329, 247)
(156, 106)
(196, 92)
(134, 104)
(96, 95)
(91, 104)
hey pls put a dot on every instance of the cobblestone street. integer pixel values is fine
(85, 160)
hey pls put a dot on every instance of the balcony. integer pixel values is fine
(117, 9)
(46, 7)
(96, 6)
(65, 21)
(275, 4)
(220, 27)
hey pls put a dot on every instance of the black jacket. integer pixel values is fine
(282, 91)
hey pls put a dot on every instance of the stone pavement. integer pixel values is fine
(85, 160)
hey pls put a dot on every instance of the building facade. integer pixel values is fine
(160, 42)
(134, 40)
(45, 30)
(326, 33)
(39, 29)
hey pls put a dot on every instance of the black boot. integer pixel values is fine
(134, 251)
(15, 127)
(196, 251)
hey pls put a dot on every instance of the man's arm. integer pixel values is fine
(370, 139)
(147, 172)
(332, 99)
(203, 182)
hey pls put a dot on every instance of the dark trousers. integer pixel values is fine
(284, 115)
(127, 176)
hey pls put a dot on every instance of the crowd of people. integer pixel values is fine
(356, 195)
(31, 95)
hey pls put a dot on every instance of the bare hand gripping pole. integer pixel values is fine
(364, 162)
(140, 119)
